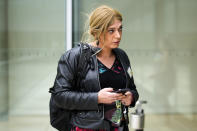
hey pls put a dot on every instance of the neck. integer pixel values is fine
(105, 52)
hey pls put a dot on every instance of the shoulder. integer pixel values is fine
(71, 54)
(122, 54)
(120, 51)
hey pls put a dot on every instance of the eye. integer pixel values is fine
(111, 31)
(120, 29)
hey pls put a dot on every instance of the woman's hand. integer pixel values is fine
(107, 96)
(127, 98)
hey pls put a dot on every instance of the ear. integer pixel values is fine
(101, 37)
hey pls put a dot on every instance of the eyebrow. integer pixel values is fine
(114, 27)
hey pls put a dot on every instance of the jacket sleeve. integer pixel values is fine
(134, 92)
(131, 85)
(64, 93)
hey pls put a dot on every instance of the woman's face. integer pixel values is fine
(113, 35)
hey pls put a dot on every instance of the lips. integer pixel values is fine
(117, 42)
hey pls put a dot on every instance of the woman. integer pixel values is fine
(98, 104)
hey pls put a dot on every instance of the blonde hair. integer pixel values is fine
(99, 20)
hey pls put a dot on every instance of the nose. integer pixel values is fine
(117, 34)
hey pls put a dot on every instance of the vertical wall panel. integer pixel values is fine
(3, 61)
(36, 41)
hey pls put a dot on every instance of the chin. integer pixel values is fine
(115, 46)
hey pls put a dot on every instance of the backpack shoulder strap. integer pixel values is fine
(84, 60)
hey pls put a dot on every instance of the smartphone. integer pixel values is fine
(123, 91)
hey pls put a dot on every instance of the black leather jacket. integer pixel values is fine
(83, 100)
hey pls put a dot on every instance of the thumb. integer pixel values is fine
(108, 89)
(128, 93)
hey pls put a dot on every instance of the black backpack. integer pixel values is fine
(60, 118)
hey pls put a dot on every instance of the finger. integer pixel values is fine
(123, 102)
(128, 93)
(121, 98)
(118, 95)
(108, 89)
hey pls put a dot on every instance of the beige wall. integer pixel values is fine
(36, 41)
(160, 38)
